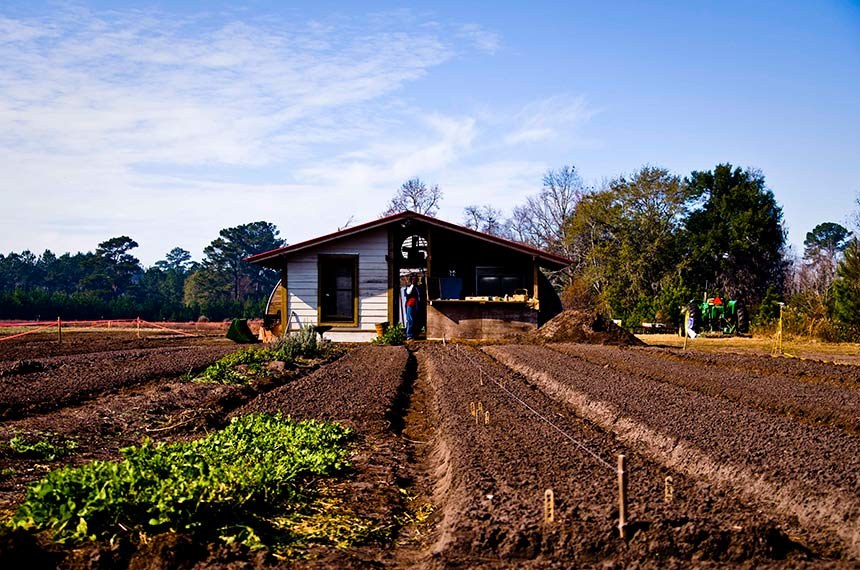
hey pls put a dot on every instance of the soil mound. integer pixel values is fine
(574, 325)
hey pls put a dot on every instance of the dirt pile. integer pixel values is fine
(574, 325)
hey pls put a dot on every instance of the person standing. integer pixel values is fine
(412, 294)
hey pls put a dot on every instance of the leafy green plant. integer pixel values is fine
(304, 344)
(237, 367)
(240, 366)
(229, 484)
(45, 446)
(395, 336)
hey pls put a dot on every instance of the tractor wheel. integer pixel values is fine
(743, 319)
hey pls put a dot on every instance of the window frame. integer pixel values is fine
(322, 260)
(500, 271)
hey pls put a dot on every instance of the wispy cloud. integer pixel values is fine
(483, 39)
(168, 129)
(549, 118)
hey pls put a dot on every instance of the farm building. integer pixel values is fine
(474, 285)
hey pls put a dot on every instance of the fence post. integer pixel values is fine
(622, 496)
(59, 331)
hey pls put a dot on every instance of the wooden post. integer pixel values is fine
(780, 328)
(59, 331)
(622, 496)
(548, 507)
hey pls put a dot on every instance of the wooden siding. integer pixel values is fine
(303, 270)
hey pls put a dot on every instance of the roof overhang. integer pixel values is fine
(277, 257)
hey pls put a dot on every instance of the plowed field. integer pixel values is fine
(732, 460)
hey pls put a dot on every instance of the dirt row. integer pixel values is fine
(491, 475)
(164, 408)
(814, 402)
(367, 390)
(41, 345)
(790, 468)
(50, 383)
(843, 375)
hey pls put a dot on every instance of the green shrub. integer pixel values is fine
(44, 446)
(224, 484)
(304, 344)
(395, 336)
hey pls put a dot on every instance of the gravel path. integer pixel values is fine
(812, 473)
(812, 401)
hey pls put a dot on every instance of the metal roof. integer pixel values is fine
(272, 258)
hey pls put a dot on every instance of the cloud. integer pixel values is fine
(169, 128)
(484, 40)
(549, 118)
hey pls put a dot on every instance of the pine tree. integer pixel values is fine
(846, 287)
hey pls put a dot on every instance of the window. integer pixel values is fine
(338, 289)
(496, 281)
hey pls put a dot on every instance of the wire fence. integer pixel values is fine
(138, 325)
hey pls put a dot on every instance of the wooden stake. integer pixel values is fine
(59, 331)
(486, 418)
(548, 507)
(138, 327)
(622, 496)
(669, 490)
(472, 408)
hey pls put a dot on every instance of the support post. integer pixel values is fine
(59, 331)
(622, 496)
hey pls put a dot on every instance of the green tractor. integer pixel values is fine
(714, 315)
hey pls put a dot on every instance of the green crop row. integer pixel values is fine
(45, 446)
(240, 366)
(233, 484)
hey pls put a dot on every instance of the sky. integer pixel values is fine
(168, 121)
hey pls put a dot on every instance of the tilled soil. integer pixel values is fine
(806, 399)
(492, 473)
(844, 375)
(162, 411)
(53, 382)
(367, 390)
(785, 467)
(41, 345)
(748, 487)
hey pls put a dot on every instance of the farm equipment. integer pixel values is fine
(714, 315)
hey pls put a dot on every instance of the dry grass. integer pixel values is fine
(844, 353)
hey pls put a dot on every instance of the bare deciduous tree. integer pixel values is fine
(487, 219)
(416, 196)
(541, 221)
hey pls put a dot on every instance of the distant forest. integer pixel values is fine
(643, 247)
(111, 283)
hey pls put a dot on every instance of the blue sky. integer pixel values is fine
(168, 121)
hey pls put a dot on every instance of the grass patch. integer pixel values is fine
(251, 483)
(242, 366)
(43, 446)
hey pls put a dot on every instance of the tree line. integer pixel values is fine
(111, 283)
(643, 246)
(647, 244)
